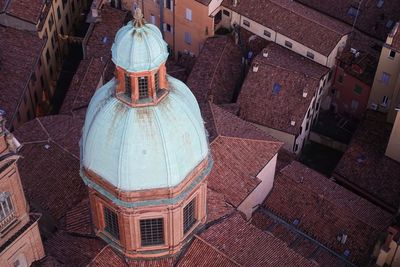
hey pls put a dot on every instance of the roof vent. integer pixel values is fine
(292, 122)
(305, 93)
(296, 222)
(46, 146)
(346, 253)
(353, 50)
(265, 53)
(255, 67)
(234, 3)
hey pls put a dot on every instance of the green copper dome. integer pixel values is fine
(146, 146)
(139, 48)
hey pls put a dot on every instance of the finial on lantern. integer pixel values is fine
(138, 20)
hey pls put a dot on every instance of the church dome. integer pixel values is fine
(147, 147)
(139, 48)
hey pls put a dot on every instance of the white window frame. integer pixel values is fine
(188, 38)
(385, 78)
(188, 14)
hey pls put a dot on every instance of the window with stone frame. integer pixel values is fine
(152, 232)
(128, 86)
(7, 213)
(111, 223)
(189, 215)
(143, 83)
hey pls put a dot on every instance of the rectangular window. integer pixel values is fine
(152, 19)
(385, 101)
(189, 216)
(168, 4)
(6, 207)
(392, 54)
(188, 38)
(385, 79)
(246, 23)
(128, 86)
(152, 232)
(358, 89)
(288, 44)
(340, 78)
(310, 55)
(307, 125)
(111, 223)
(47, 56)
(143, 87)
(67, 20)
(167, 27)
(267, 33)
(353, 11)
(58, 13)
(156, 81)
(51, 22)
(64, 2)
(188, 14)
(73, 6)
(354, 105)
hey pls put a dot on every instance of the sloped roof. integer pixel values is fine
(304, 25)
(326, 210)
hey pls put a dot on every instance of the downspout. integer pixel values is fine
(162, 17)
(173, 29)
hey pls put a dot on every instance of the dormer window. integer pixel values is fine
(143, 83)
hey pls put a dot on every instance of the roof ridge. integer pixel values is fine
(217, 250)
(81, 82)
(216, 66)
(248, 139)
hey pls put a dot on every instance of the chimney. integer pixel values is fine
(305, 93)
(234, 3)
(265, 53)
(255, 67)
(292, 122)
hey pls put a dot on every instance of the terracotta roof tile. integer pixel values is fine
(230, 125)
(217, 207)
(83, 85)
(107, 256)
(364, 164)
(202, 254)
(161, 262)
(102, 37)
(325, 210)
(28, 10)
(261, 103)
(204, 2)
(51, 164)
(19, 54)
(73, 250)
(217, 71)
(78, 220)
(304, 25)
(249, 246)
(237, 163)
(371, 20)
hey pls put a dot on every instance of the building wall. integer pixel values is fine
(380, 89)
(26, 249)
(393, 147)
(288, 139)
(257, 196)
(346, 97)
(10, 182)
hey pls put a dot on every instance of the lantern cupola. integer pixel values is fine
(140, 53)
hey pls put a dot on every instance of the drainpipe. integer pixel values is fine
(162, 17)
(173, 29)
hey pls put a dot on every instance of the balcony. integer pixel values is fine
(7, 221)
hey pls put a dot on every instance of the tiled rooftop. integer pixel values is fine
(83, 85)
(249, 246)
(371, 20)
(273, 96)
(78, 220)
(204, 2)
(304, 25)
(50, 163)
(365, 167)
(107, 256)
(202, 254)
(28, 10)
(325, 210)
(237, 162)
(19, 54)
(216, 71)
(102, 36)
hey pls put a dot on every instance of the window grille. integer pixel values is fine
(189, 217)
(143, 87)
(128, 85)
(152, 232)
(111, 223)
(156, 82)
